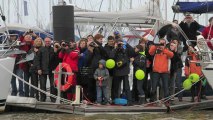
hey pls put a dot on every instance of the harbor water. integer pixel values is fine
(174, 115)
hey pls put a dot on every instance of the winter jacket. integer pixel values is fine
(192, 67)
(101, 73)
(32, 63)
(26, 47)
(45, 60)
(161, 62)
(208, 35)
(190, 31)
(122, 57)
(140, 61)
(82, 61)
(71, 58)
(94, 57)
(109, 55)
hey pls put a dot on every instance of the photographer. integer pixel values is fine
(176, 67)
(161, 67)
(70, 55)
(122, 59)
(96, 52)
(31, 33)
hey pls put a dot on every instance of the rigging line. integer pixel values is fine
(100, 5)
(16, 6)
(39, 15)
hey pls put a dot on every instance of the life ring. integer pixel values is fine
(68, 82)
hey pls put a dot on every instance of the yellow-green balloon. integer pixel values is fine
(187, 84)
(110, 63)
(194, 77)
(139, 74)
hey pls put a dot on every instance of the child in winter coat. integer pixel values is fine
(101, 76)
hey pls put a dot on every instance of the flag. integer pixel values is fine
(25, 9)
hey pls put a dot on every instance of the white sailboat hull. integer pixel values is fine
(5, 78)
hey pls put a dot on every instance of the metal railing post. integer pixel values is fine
(59, 83)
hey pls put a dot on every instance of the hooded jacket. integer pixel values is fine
(101, 73)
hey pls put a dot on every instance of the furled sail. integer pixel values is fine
(193, 7)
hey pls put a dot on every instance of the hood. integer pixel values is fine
(103, 62)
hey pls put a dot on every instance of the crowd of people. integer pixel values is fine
(87, 59)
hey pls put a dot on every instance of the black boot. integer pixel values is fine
(142, 100)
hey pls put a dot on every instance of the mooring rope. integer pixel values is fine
(40, 90)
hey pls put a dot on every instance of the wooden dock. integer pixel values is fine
(83, 109)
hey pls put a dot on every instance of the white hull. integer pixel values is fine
(5, 78)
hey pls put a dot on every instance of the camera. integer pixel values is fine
(92, 44)
(117, 37)
(120, 45)
(159, 44)
(30, 31)
(57, 46)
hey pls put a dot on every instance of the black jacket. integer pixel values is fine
(109, 55)
(46, 60)
(122, 55)
(93, 58)
(190, 31)
(139, 62)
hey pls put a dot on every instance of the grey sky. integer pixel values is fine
(44, 11)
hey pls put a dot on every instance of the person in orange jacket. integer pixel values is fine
(192, 67)
(161, 67)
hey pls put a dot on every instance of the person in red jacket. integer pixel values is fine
(161, 67)
(70, 55)
(23, 68)
(208, 33)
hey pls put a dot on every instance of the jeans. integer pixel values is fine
(156, 78)
(23, 88)
(179, 82)
(140, 87)
(43, 83)
(109, 86)
(34, 82)
(173, 77)
(126, 87)
(102, 93)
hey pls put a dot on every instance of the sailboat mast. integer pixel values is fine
(110, 8)
(2, 5)
(18, 17)
(165, 9)
(8, 14)
(120, 5)
(50, 12)
(130, 4)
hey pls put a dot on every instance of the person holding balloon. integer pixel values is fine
(161, 65)
(191, 66)
(139, 63)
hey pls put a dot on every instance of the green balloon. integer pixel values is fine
(187, 84)
(139, 74)
(194, 77)
(110, 63)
